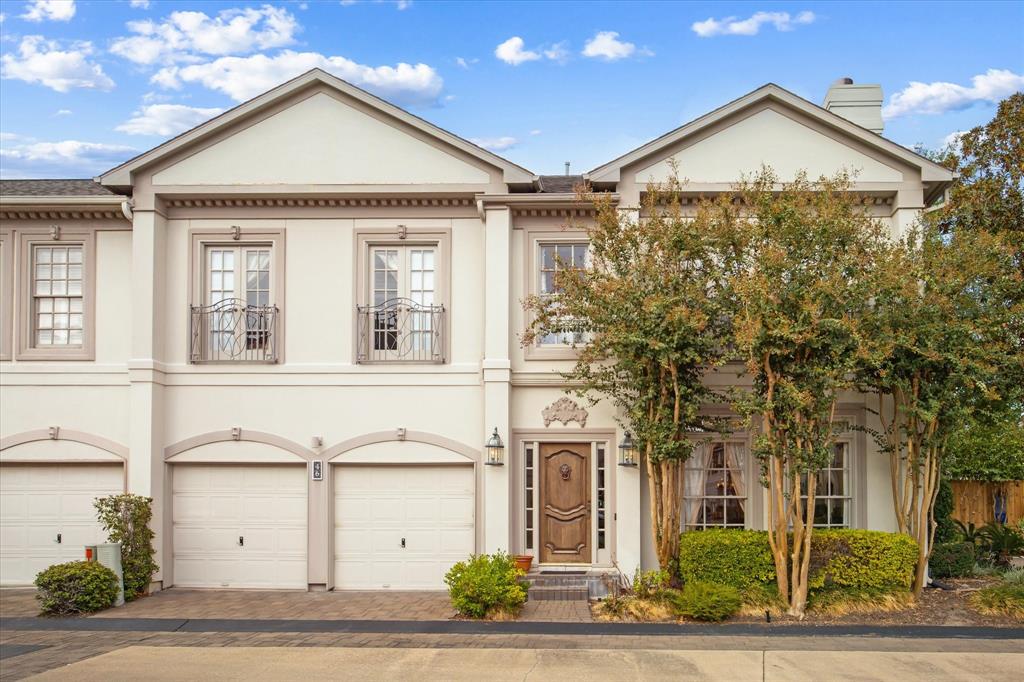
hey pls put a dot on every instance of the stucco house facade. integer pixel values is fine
(296, 327)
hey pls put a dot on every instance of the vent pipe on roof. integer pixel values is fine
(856, 102)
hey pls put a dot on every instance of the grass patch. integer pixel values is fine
(633, 609)
(1005, 599)
(758, 598)
(840, 602)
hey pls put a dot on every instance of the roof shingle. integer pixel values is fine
(53, 188)
(557, 184)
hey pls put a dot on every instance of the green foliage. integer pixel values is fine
(1007, 598)
(1000, 542)
(945, 528)
(649, 584)
(741, 558)
(76, 587)
(126, 520)
(857, 559)
(862, 559)
(967, 532)
(987, 450)
(952, 560)
(703, 600)
(485, 584)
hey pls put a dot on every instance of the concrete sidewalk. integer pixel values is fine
(274, 663)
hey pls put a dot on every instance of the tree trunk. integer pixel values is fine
(664, 483)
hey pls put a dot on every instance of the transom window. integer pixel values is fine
(832, 493)
(715, 487)
(57, 299)
(553, 257)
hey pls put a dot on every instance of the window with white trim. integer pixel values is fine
(715, 488)
(832, 495)
(57, 296)
(553, 257)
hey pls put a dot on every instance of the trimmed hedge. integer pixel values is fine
(856, 559)
(952, 560)
(862, 559)
(486, 583)
(740, 558)
(76, 587)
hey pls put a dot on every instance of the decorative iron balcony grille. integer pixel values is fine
(400, 330)
(231, 331)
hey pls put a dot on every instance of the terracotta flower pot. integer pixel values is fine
(523, 562)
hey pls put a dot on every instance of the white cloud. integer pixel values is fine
(166, 119)
(403, 4)
(940, 97)
(181, 36)
(952, 140)
(63, 112)
(607, 46)
(242, 78)
(782, 21)
(495, 144)
(53, 10)
(557, 52)
(65, 159)
(2, 17)
(466, 63)
(140, 4)
(43, 61)
(511, 52)
(536, 132)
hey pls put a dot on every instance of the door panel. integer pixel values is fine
(565, 503)
(40, 501)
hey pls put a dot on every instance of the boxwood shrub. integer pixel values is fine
(76, 587)
(855, 559)
(704, 600)
(486, 583)
(952, 560)
(740, 558)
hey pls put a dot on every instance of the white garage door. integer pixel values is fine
(239, 525)
(376, 508)
(41, 502)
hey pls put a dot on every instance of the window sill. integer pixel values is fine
(45, 354)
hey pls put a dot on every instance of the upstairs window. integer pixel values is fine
(553, 257)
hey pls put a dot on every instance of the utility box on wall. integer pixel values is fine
(109, 555)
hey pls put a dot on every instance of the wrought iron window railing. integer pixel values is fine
(232, 331)
(400, 330)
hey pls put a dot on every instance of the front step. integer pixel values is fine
(564, 585)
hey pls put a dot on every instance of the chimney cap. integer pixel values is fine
(845, 80)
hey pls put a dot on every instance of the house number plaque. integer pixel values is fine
(317, 470)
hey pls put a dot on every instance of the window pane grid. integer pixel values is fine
(528, 471)
(714, 494)
(602, 487)
(832, 492)
(57, 305)
(555, 257)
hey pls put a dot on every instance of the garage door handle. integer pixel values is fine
(241, 541)
(403, 543)
(58, 538)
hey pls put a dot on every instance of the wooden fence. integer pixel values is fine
(974, 501)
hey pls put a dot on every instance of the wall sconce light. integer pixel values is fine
(495, 449)
(627, 451)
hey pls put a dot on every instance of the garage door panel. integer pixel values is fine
(375, 507)
(214, 505)
(37, 502)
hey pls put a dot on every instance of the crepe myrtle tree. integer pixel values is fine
(650, 314)
(946, 321)
(802, 292)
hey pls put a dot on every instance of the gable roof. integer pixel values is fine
(930, 171)
(120, 176)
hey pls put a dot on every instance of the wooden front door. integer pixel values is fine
(565, 503)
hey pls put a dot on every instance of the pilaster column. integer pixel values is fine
(497, 373)
(906, 210)
(146, 468)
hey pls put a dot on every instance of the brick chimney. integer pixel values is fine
(856, 102)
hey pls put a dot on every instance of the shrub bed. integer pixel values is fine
(703, 600)
(76, 587)
(740, 558)
(952, 560)
(487, 585)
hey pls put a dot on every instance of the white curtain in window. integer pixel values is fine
(695, 480)
(734, 463)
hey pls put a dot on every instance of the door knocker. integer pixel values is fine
(565, 470)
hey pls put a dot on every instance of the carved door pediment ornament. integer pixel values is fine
(564, 410)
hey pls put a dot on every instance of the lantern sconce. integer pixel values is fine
(495, 449)
(627, 451)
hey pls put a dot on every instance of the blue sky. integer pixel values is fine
(85, 84)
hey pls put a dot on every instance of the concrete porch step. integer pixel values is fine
(537, 593)
(572, 584)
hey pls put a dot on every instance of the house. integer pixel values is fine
(295, 327)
